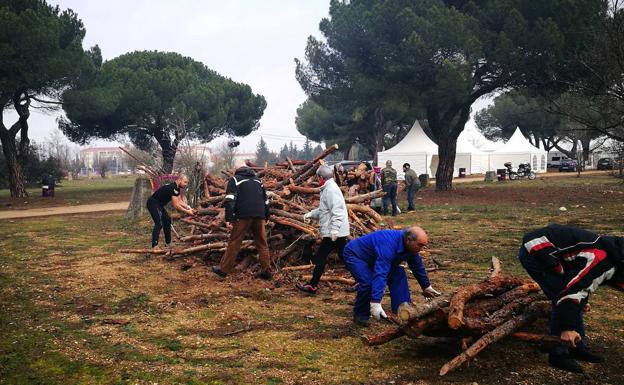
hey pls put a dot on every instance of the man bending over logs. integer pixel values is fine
(247, 207)
(156, 207)
(374, 263)
(333, 225)
(570, 263)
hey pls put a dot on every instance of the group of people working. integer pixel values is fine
(568, 263)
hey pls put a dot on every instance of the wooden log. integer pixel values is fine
(505, 329)
(301, 190)
(432, 321)
(300, 174)
(383, 337)
(286, 214)
(484, 307)
(495, 269)
(484, 324)
(366, 210)
(209, 211)
(408, 312)
(207, 237)
(466, 293)
(365, 197)
(201, 225)
(536, 338)
(325, 278)
(297, 268)
(212, 200)
(279, 200)
(297, 225)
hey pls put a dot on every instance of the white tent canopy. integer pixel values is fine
(416, 149)
(518, 150)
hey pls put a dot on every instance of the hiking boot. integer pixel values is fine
(217, 270)
(361, 322)
(583, 354)
(564, 362)
(306, 287)
(266, 275)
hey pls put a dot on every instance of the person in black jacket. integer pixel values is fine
(156, 207)
(247, 208)
(569, 264)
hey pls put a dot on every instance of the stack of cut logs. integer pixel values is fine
(477, 315)
(293, 192)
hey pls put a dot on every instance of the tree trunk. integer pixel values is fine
(168, 154)
(14, 168)
(447, 150)
(447, 130)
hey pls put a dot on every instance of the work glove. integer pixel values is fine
(271, 194)
(306, 217)
(430, 292)
(334, 235)
(377, 311)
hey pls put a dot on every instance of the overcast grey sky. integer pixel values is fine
(250, 41)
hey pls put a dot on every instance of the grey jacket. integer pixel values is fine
(332, 211)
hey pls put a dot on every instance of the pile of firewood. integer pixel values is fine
(477, 315)
(293, 192)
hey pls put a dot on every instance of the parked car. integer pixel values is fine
(605, 164)
(568, 165)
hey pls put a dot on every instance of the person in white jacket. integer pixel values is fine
(333, 222)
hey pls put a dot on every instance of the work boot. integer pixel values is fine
(306, 287)
(168, 245)
(266, 275)
(217, 270)
(583, 354)
(361, 322)
(564, 362)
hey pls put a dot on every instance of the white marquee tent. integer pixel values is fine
(518, 150)
(416, 149)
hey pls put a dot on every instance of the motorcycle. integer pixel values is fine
(523, 171)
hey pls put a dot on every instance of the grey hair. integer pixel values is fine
(325, 172)
(409, 235)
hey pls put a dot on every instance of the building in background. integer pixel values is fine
(110, 159)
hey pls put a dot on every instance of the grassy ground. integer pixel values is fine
(74, 192)
(64, 292)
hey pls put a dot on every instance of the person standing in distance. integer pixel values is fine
(389, 185)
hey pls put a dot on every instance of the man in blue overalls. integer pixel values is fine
(374, 260)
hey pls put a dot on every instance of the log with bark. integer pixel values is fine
(490, 310)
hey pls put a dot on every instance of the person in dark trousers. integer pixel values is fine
(247, 209)
(389, 185)
(374, 261)
(156, 207)
(412, 185)
(333, 226)
(569, 264)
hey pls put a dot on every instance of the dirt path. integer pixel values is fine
(67, 210)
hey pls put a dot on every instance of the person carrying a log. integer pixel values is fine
(333, 220)
(412, 185)
(570, 263)
(247, 209)
(374, 260)
(156, 206)
(389, 185)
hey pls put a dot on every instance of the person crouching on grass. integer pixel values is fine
(569, 264)
(156, 207)
(333, 225)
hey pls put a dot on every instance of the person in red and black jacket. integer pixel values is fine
(569, 264)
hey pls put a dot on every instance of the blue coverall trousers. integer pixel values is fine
(363, 274)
